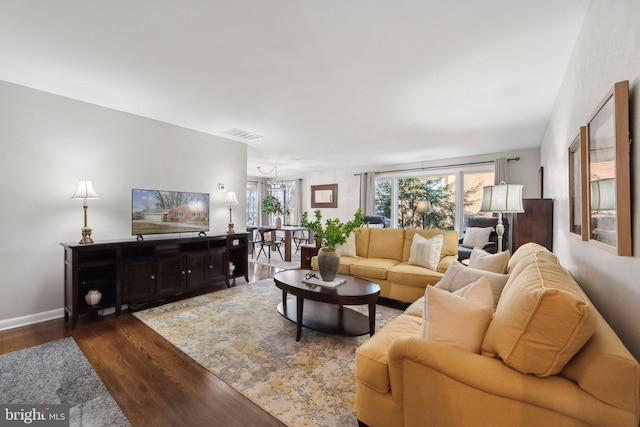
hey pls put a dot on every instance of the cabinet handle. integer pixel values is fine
(211, 267)
(183, 273)
(153, 277)
(189, 271)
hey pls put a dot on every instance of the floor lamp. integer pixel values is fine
(502, 198)
(424, 207)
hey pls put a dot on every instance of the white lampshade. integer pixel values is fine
(502, 198)
(603, 195)
(85, 191)
(424, 206)
(231, 198)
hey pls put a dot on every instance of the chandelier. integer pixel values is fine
(275, 184)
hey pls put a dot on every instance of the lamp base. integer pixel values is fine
(86, 236)
(500, 231)
(231, 230)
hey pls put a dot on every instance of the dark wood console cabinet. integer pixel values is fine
(131, 271)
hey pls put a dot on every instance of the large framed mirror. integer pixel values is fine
(578, 184)
(609, 173)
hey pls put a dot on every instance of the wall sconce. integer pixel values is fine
(231, 200)
(502, 198)
(85, 191)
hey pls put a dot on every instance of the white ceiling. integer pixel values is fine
(337, 83)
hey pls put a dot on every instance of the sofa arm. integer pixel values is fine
(433, 380)
(445, 262)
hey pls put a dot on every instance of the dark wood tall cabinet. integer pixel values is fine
(535, 224)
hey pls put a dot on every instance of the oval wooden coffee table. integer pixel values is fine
(324, 309)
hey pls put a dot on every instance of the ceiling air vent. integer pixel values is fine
(242, 134)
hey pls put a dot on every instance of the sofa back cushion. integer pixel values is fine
(386, 243)
(527, 253)
(362, 241)
(449, 241)
(542, 320)
(606, 369)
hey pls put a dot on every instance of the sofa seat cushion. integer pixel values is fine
(542, 320)
(371, 357)
(345, 263)
(415, 309)
(375, 268)
(413, 275)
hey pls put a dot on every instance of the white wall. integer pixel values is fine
(607, 51)
(47, 144)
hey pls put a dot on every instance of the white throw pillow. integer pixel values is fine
(375, 225)
(459, 319)
(458, 276)
(476, 237)
(426, 252)
(349, 247)
(483, 260)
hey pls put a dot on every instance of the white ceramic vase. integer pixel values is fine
(93, 297)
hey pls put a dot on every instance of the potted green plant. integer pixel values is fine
(271, 205)
(331, 234)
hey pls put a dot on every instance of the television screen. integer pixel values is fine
(159, 212)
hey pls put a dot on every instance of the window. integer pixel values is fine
(450, 205)
(252, 203)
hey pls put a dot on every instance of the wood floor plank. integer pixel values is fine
(153, 382)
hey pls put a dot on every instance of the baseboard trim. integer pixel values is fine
(31, 319)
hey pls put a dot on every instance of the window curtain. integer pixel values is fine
(298, 200)
(500, 170)
(368, 193)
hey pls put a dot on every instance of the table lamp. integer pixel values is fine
(85, 191)
(231, 200)
(502, 198)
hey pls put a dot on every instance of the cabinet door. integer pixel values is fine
(172, 275)
(139, 281)
(535, 224)
(197, 268)
(217, 268)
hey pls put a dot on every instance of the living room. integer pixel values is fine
(50, 141)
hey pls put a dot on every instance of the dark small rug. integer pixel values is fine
(58, 373)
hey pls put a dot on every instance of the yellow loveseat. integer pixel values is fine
(548, 358)
(382, 256)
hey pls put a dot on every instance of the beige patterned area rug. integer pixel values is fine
(238, 335)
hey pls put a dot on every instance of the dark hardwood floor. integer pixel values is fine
(153, 382)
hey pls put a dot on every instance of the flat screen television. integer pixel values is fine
(163, 212)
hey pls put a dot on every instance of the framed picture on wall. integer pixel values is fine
(578, 184)
(609, 178)
(324, 196)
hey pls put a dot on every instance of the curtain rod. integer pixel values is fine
(423, 168)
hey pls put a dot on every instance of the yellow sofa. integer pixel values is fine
(524, 376)
(382, 255)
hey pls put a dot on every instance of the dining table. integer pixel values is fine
(288, 235)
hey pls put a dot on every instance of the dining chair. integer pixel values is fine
(299, 237)
(268, 242)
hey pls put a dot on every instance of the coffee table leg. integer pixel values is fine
(284, 300)
(372, 318)
(299, 305)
